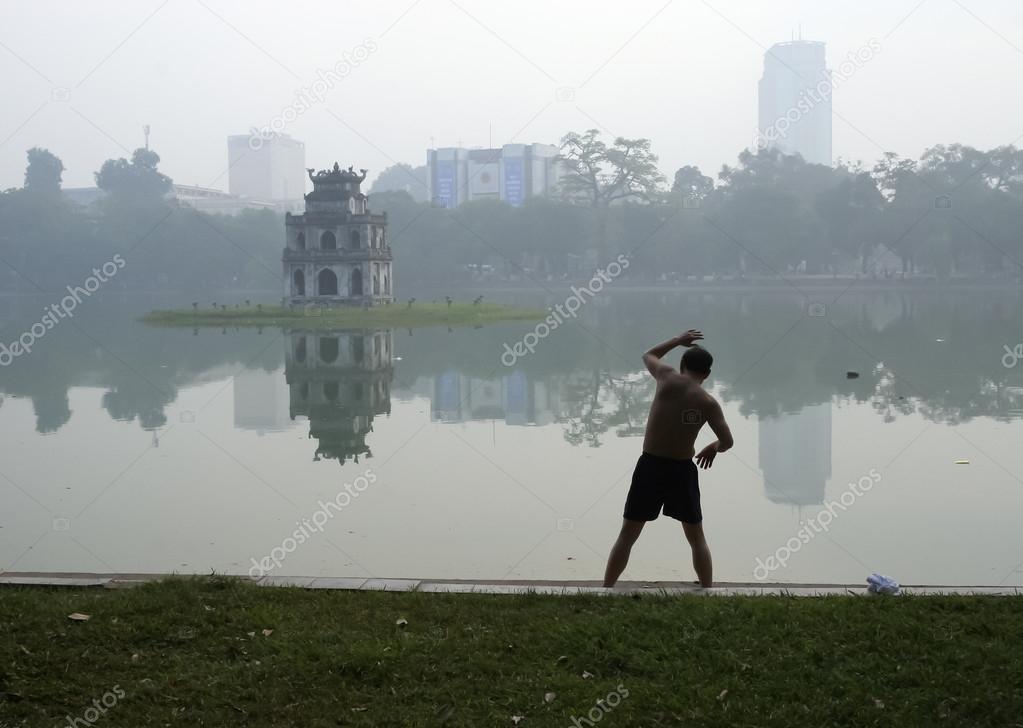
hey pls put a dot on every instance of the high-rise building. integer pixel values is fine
(511, 173)
(267, 167)
(795, 101)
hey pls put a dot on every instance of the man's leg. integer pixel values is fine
(619, 557)
(701, 553)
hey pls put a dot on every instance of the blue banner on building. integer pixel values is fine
(513, 189)
(444, 184)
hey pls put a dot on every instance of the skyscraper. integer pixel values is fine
(270, 168)
(795, 101)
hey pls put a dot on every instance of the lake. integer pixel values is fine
(433, 453)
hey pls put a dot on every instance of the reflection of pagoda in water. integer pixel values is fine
(339, 380)
(795, 455)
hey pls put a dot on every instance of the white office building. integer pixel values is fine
(795, 101)
(269, 168)
(511, 173)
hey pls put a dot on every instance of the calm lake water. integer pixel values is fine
(126, 448)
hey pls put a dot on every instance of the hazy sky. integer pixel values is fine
(82, 77)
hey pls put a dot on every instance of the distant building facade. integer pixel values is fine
(336, 252)
(512, 174)
(794, 116)
(267, 167)
(203, 199)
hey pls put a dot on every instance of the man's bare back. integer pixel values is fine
(681, 407)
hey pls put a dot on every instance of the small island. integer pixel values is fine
(410, 314)
(337, 273)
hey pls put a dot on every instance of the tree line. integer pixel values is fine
(955, 212)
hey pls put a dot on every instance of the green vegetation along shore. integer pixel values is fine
(216, 651)
(399, 315)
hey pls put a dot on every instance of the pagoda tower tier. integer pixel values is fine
(336, 252)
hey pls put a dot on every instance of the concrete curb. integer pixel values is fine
(118, 581)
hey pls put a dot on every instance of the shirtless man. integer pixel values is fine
(666, 474)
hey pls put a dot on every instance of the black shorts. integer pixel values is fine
(657, 482)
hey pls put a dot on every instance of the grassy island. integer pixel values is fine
(399, 315)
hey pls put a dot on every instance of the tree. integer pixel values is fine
(402, 177)
(850, 211)
(44, 171)
(137, 178)
(602, 174)
(691, 184)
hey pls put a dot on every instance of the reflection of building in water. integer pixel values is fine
(261, 401)
(795, 455)
(513, 398)
(339, 380)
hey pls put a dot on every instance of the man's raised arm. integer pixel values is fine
(653, 357)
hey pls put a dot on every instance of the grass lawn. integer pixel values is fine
(398, 315)
(192, 652)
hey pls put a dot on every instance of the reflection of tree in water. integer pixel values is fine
(339, 380)
(135, 398)
(598, 401)
(52, 410)
(597, 385)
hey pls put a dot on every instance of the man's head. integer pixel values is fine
(696, 362)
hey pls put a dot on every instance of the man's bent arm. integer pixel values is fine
(716, 420)
(652, 358)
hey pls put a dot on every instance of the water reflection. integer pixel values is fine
(563, 423)
(917, 354)
(795, 455)
(512, 399)
(262, 401)
(339, 381)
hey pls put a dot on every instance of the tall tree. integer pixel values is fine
(602, 174)
(137, 178)
(402, 177)
(44, 172)
(692, 184)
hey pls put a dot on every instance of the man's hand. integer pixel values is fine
(705, 458)
(690, 337)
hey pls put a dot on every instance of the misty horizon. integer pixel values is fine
(431, 74)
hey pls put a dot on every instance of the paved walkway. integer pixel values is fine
(450, 586)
